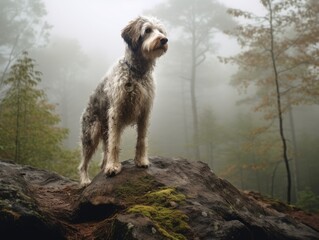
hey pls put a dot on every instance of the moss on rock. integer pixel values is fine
(156, 205)
(146, 197)
(132, 190)
(164, 197)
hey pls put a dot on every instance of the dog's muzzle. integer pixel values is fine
(164, 41)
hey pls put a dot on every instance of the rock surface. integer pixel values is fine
(172, 199)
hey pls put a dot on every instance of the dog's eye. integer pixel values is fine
(148, 30)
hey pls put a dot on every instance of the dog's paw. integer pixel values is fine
(112, 170)
(85, 182)
(142, 163)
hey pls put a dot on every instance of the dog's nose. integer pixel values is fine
(164, 41)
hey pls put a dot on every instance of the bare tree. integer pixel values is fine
(196, 21)
(278, 97)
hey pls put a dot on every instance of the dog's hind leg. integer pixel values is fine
(90, 140)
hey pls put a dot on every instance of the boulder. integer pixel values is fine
(172, 199)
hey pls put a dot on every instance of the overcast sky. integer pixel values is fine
(97, 23)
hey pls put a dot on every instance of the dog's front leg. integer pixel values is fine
(113, 165)
(141, 158)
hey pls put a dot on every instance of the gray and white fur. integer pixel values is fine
(124, 97)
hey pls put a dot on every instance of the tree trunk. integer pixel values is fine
(17, 137)
(185, 118)
(295, 152)
(65, 105)
(273, 179)
(279, 107)
(193, 100)
(256, 172)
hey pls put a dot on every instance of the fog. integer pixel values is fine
(96, 26)
(85, 40)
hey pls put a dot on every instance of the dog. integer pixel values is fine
(124, 97)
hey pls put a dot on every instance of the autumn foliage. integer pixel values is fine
(279, 59)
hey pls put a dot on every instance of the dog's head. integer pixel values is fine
(147, 35)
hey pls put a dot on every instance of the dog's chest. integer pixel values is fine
(136, 93)
(136, 96)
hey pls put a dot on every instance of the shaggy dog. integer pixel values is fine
(123, 98)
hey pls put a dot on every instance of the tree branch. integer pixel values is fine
(201, 60)
(288, 69)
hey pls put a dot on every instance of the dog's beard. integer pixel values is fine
(156, 53)
(153, 48)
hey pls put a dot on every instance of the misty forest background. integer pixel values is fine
(238, 90)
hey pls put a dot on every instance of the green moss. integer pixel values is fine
(145, 196)
(164, 197)
(169, 222)
(156, 205)
(134, 189)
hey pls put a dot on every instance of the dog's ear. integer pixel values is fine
(132, 33)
